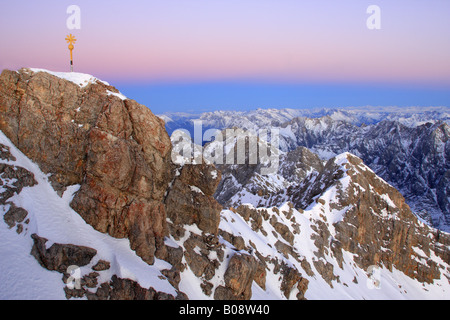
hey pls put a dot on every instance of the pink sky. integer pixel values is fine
(258, 40)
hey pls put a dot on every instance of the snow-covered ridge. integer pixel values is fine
(292, 236)
(255, 119)
(80, 79)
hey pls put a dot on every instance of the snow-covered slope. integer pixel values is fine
(282, 239)
(324, 201)
(50, 216)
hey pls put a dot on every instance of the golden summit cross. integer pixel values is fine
(71, 40)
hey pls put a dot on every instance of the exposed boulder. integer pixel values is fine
(378, 226)
(238, 278)
(15, 216)
(60, 256)
(12, 180)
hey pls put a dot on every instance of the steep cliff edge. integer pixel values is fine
(82, 131)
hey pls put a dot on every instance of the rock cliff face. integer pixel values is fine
(190, 199)
(114, 148)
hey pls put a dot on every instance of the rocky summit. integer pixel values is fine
(116, 150)
(94, 207)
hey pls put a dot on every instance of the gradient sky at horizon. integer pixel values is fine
(175, 55)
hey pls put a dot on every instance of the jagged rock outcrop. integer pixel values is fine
(238, 278)
(12, 180)
(17, 177)
(293, 168)
(114, 148)
(119, 154)
(126, 289)
(390, 235)
(59, 257)
(407, 147)
(15, 216)
(190, 199)
(378, 226)
(117, 150)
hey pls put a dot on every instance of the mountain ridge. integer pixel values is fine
(402, 138)
(87, 180)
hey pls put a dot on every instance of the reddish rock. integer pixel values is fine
(119, 153)
(238, 278)
(60, 256)
(190, 199)
(117, 150)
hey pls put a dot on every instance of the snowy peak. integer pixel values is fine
(80, 79)
(348, 211)
(358, 116)
(408, 147)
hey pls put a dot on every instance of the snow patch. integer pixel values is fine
(80, 79)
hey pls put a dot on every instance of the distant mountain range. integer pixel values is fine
(408, 116)
(409, 147)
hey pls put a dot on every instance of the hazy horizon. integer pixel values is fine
(206, 97)
(213, 54)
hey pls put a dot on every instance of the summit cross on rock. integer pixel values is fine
(71, 40)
